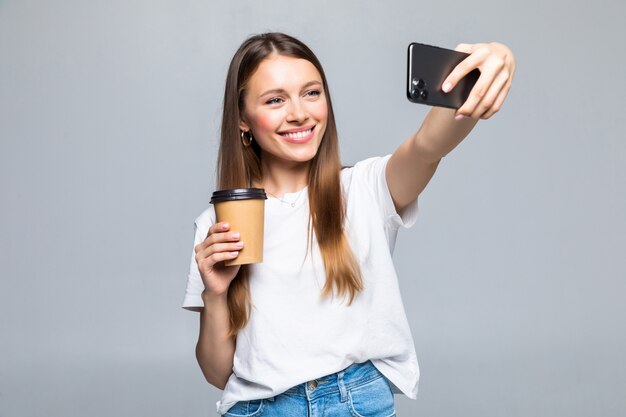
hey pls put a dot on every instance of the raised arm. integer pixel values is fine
(415, 161)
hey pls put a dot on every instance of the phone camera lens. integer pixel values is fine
(418, 83)
(424, 95)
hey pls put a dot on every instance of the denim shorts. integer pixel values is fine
(360, 390)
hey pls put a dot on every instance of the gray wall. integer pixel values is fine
(513, 278)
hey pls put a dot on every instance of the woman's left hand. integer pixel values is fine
(497, 66)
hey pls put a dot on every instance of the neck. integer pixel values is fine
(280, 177)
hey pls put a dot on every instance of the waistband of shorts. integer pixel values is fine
(353, 376)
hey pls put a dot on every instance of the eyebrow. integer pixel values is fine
(281, 90)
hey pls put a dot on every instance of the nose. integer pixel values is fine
(297, 112)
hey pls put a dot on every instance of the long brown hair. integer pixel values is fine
(240, 167)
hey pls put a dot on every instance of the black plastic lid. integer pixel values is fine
(238, 194)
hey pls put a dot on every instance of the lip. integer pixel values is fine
(284, 134)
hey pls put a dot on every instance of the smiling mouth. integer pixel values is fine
(298, 135)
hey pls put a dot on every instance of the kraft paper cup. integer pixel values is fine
(244, 210)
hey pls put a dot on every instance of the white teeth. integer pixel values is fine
(298, 135)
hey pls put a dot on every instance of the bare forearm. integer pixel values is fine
(440, 133)
(414, 162)
(215, 350)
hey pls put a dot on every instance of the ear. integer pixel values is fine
(243, 126)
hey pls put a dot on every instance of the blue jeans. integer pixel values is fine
(360, 390)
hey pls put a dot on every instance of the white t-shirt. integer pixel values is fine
(294, 335)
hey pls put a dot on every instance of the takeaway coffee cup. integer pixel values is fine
(244, 210)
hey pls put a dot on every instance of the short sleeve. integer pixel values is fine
(408, 216)
(193, 294)
(371, 174)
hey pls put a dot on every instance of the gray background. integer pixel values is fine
(513, 278)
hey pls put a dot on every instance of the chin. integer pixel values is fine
(301, 158)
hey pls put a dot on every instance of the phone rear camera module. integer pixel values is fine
(419, 83)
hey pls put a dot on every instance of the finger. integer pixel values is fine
(222, 237)
(465, 67)
(215, 228)
(494, 104)
(217, 248)
(481, 88)
(510, 64)
(492, 94)
(213, 238)
(221, 257)
(497, 105)
(466, 47)
(218, 227)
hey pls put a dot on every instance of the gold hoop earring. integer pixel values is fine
(245, 142)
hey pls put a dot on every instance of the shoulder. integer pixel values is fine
(367, 170)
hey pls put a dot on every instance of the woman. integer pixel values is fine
(318, 328)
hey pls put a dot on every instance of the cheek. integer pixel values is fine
(265, 122)
(320, 112)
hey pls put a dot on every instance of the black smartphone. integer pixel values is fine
(428, 67)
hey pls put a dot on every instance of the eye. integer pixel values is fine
(313, 93)
(274, 100)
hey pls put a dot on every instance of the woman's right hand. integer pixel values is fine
(220, 245)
